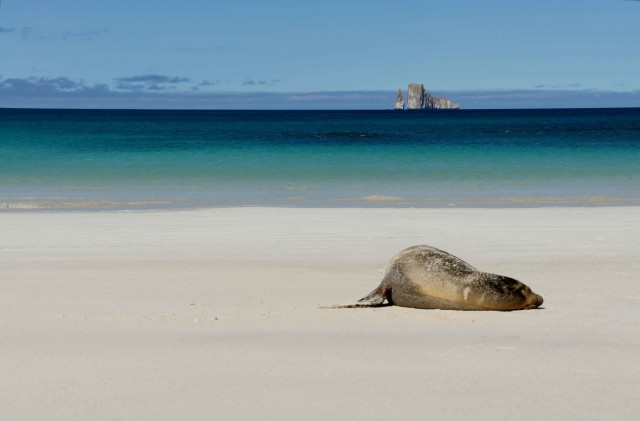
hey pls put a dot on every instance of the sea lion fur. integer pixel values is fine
(426, 277)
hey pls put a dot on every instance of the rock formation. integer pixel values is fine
(399, 101)
(415, 96)
(419, 98)
(442, 103)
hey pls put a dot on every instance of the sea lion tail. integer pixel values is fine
(376, 297)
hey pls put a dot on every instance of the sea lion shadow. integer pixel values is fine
(338, 307)
(355, 306)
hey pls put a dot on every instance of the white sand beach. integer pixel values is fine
(216, 314)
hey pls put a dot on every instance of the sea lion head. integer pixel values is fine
(518, 292)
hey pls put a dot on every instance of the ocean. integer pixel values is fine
(134, 159)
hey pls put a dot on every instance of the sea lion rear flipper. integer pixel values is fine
(376, 297)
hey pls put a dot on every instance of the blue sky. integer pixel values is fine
(317, 54)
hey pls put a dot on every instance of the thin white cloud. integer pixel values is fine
(149, 82)
(28, 33)
(563, 86)
(152, 78)
(85, 34)
(252, 82)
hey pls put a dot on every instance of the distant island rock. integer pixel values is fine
(399, 101)
(419, 98)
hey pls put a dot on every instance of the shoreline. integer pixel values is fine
(215, 313)
(366, 202)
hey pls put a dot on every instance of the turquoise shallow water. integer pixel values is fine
(52, 159)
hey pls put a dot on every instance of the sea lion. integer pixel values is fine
(426, 277)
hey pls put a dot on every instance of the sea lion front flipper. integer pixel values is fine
(376, 297)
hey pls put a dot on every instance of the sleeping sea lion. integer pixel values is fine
(425, 277)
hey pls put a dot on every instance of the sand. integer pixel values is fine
(215, 314)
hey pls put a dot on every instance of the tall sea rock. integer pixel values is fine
(415, 96)
(419, 98)
(399, 101)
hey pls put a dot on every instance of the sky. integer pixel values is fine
(301, 54)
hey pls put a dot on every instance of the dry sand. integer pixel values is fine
(215, 314)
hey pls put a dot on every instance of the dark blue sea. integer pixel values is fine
(100, 159)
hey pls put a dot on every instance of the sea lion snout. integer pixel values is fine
(535, 301)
